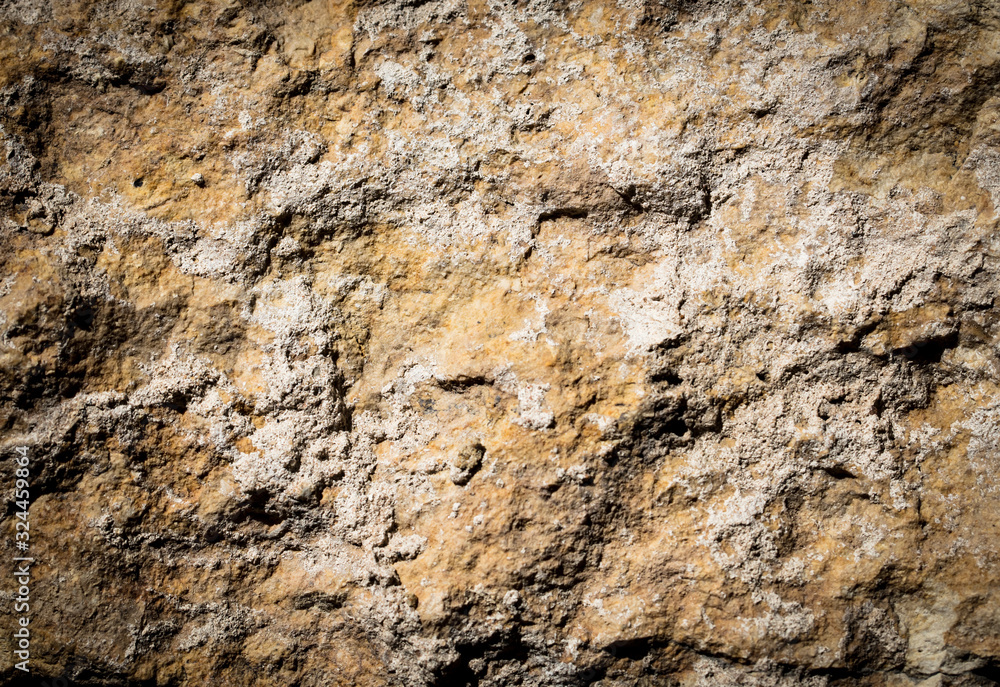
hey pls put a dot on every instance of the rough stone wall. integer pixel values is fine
(503, 343)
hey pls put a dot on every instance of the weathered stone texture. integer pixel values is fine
(504, 343)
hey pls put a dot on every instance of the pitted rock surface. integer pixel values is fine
(503, 343)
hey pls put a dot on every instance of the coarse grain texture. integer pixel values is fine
(538, 343)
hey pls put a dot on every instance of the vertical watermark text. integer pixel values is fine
(22, 562)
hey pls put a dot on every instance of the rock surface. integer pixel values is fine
(503, 343)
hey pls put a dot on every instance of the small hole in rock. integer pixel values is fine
(676, 426)
(138, 182)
